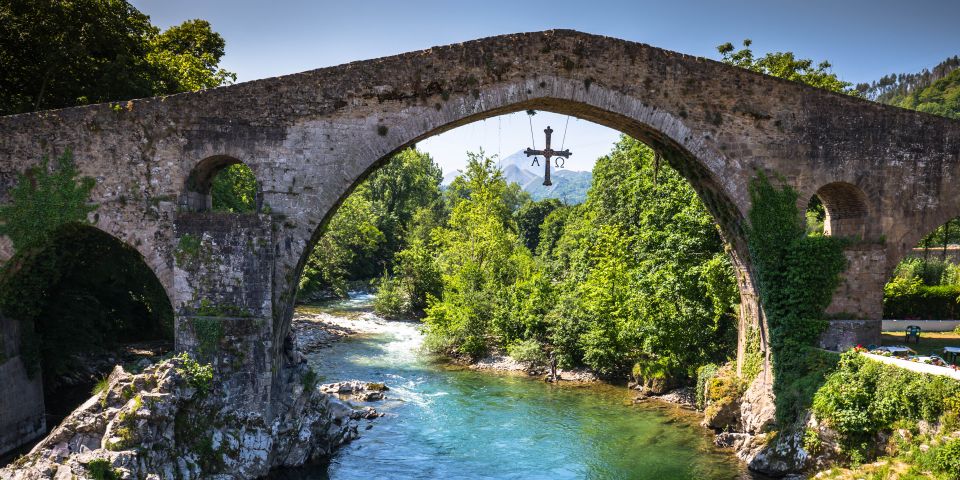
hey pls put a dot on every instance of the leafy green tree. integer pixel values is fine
(551, 229)
(643, 266)
(43, 200)
(636, 274)
(65, 53)
(785, 65)
(530, 216)
(940, 98)
(352, 231)
(479, 257)
(904, 90)
(401, 202)
(398, 190)
(234, 190)
(460, 189)
(186, 58)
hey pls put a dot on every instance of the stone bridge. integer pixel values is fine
(886, 175)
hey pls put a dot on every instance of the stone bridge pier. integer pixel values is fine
(885, 175)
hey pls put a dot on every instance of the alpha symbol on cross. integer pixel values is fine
(548, 153)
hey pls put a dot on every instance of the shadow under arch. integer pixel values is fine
(197, 192)
(846, 209)
(75, 302)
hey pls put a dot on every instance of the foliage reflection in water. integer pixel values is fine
(455, 423)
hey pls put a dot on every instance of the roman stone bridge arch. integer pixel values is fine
(885, 174)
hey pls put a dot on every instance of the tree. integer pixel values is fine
(351, 232)
(641, 272)
(408, 182)
(64, 53)
(186, 58)
(480, 258)
(400, 200)
(234, 190)
(460, 189)
(785, 65)
(942, 97)
(530, 216)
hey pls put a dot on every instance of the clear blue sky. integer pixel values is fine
(862, 39)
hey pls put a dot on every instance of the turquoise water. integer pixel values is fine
(445, 423)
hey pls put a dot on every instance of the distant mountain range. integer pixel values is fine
(569, 186)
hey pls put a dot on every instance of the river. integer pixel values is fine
(449, 423)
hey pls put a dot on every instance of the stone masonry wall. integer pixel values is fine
(858, 302)
(223, 279)
(21, 397)
(860, 294)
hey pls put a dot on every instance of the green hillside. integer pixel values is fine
(934, 91)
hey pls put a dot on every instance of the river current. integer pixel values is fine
(449, 423)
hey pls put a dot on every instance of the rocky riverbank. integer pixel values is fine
(500, 362)
(316, 330)
(170, 422)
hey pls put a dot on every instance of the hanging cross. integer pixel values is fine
(547, 153)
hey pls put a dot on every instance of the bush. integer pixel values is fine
(909, 299)
(721, 390)
(390, 301)
(101, 469)
(198, 376)
(704, 374)
(931, 271)
(528, 351)
(946, 458)
(649, 369)
(863, 397)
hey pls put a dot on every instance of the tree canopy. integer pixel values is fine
(785, 65)
(63, 53)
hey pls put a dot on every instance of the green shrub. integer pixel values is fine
(198, 376)
(704, 375)
(101, 469)
(864, 397)
(946, 458)
(390, 301)
(652, 369)
(528, 351)
(722, 389)
(931, 271)
(910, 299)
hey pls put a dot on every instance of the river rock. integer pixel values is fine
(746, 423)
(159, 424)
(356, 390)
(778, 456)
(757, 408)
(722, 415)
(685, 397)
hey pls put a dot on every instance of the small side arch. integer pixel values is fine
(197, 193)
(846, 209)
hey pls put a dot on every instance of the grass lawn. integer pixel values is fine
(930, 342)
